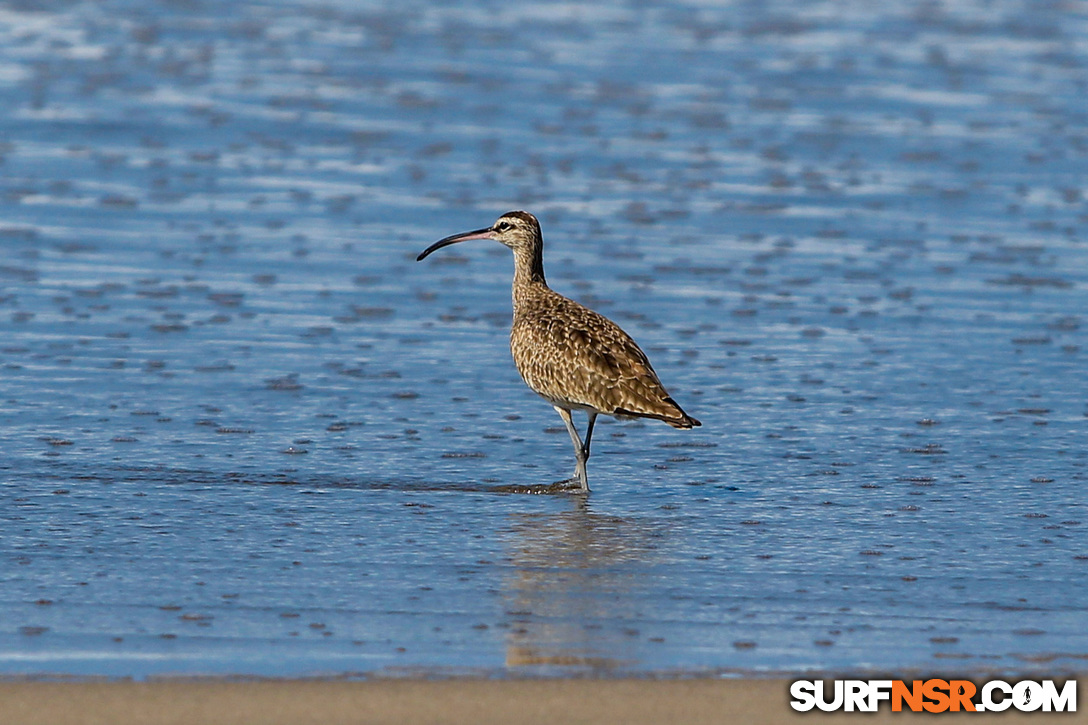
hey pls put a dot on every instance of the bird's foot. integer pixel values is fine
(566, 486)
(574, 484)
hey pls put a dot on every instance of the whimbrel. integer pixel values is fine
(571, 356)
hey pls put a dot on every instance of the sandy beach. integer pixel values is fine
(300, 702)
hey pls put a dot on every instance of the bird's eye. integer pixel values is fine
(503, 226)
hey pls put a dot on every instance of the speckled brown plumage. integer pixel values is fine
(579, 359)
(573, 357)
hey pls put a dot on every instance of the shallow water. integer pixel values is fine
(245, 433)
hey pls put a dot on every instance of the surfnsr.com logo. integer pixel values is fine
(934, 695)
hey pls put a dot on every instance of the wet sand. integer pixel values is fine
(299, 702)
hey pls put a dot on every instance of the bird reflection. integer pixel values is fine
(582, 584)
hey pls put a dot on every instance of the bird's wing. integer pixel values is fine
(573, 355)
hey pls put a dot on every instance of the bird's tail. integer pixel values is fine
(676, 417)
(686, 422)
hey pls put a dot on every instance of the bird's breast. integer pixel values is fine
(548, 355)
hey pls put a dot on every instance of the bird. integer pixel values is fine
(573, 357)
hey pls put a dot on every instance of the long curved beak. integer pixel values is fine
(462, 237)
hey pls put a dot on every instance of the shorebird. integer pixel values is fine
(571, 356)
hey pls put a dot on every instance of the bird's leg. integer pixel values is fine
(581, 452)
(589, 433)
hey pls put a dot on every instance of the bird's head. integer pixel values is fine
(518, 230)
